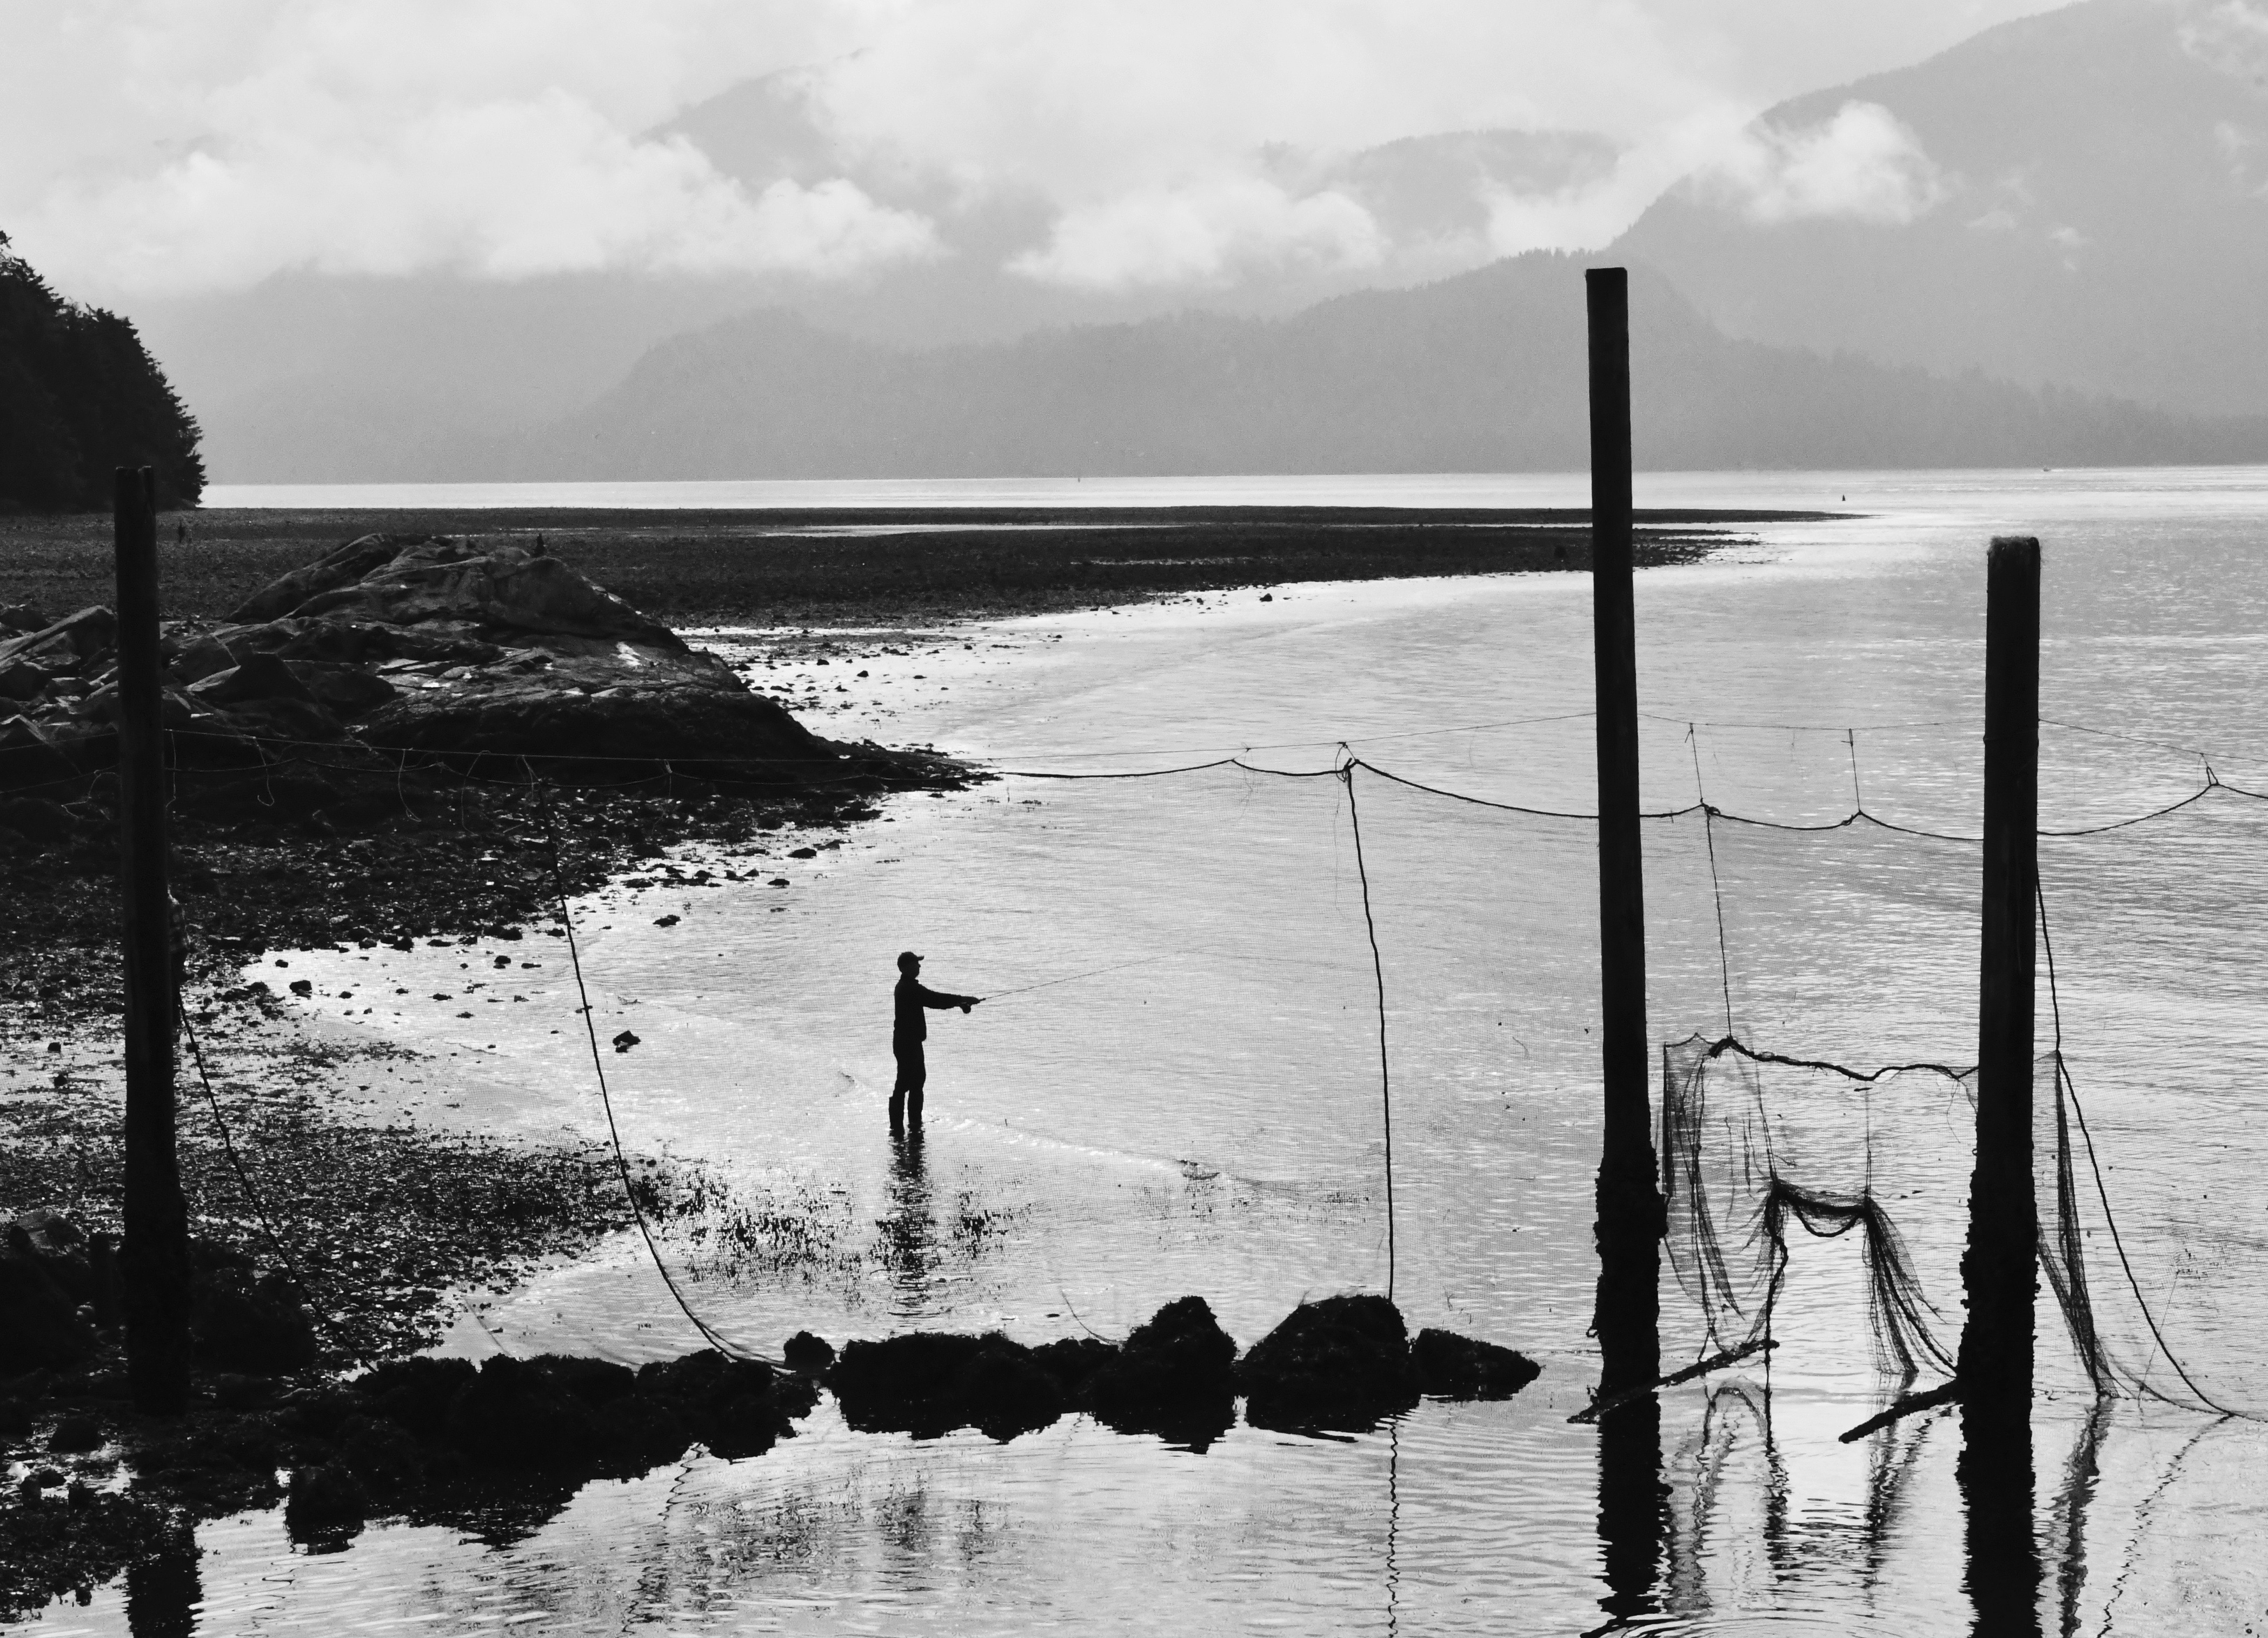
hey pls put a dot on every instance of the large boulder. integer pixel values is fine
(433, 644)
(68, 643)
(1341, 1362)
(1173, 1375)
(1453, 1366)
(451, 646)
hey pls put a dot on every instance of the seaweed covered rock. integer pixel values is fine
(1173, 1375)
(241, 1321)
(325, 1503)
(805, 1352)
(1453, 1367)
(736, 1407)
(1341, 1362)
(903, 1383)
(514, 1413)
(1004, 1391)
(416, 1393)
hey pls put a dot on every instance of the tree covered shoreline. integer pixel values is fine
(79, 394)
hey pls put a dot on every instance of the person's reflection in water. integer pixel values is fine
(164, 1590)
(1633, 1510)
(909, 1228)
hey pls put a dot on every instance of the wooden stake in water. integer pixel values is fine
(154, 1262)
(1630, 1215)
(2000, 1269)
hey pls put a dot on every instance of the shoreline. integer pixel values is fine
(877, 567)
(388, 1217)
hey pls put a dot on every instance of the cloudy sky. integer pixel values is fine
(176, 147)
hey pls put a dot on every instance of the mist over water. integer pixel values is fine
(1185, 1095)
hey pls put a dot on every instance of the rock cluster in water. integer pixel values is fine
(1343, 1362)
(424, 645)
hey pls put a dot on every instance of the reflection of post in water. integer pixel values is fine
(908, 1228)
(1995, 1473)
(2079, 1474)
(164, 1590)
(1633, 1509)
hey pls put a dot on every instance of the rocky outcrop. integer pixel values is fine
(392, 643)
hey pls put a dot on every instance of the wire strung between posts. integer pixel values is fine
(613, 1132)
(2064, 1087)
(805, 779)
(1378, 970)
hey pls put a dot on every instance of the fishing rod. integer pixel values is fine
(1050, 984)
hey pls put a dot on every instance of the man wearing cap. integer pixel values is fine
(910, 1030)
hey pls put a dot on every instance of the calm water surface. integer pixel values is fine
(1206, 1115)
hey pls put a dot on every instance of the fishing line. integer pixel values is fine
(1049, 984)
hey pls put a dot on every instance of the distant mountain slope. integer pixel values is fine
(79, 395)
(2088, 205)
(1481, 372)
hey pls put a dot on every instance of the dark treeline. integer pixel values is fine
(1483, 372)
(79, 394)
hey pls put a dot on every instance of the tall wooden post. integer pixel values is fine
(1631, 1215)
(154, 1263)
(1998, 1268)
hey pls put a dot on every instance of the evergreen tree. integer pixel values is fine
(79, 394)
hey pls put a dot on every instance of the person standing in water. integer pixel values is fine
(908, 1031)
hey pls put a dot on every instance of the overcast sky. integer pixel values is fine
(174, 146)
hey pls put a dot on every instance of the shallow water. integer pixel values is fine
(1207, 1114)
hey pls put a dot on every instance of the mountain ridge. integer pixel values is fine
(1481, 371)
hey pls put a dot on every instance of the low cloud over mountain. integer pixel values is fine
(2079, 198)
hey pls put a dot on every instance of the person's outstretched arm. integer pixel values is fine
(939, 999)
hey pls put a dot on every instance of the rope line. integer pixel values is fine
(1716, 886)
(806, 779)
(613, 1131)
(252, 1194)
(1378, 970)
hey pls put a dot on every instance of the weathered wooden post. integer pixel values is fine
(2000, 1267)
(1630, 1215)
(154, 1262)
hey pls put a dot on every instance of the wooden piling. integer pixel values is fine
(1998, 1268)
(154, 1262)
(1631, 1215)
